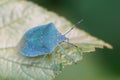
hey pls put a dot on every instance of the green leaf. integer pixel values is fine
(16, 17)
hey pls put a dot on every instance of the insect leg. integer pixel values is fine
(39, 62)
(65, 53)
(54, 62)
(79, 50)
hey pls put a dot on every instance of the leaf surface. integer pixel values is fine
(16, 17)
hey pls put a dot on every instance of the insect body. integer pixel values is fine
(41, 40)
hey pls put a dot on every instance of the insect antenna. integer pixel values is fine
(73, 26)
(69, 31)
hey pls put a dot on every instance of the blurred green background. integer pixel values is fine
(101, 19)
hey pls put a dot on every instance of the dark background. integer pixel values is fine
(101, 19)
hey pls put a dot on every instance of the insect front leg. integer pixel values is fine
(65, 53)
(56, 66)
